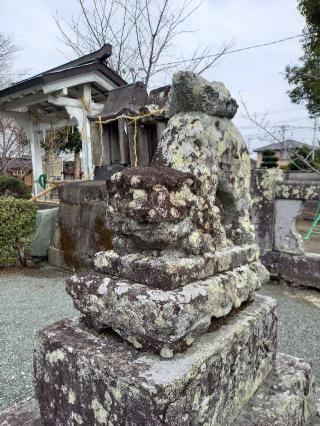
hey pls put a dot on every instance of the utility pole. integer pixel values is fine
(314, 141)
(249, 139)
(285, 129)
(282, 130)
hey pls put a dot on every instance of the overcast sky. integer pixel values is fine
(255, 74)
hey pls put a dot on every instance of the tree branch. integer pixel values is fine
(290, 151)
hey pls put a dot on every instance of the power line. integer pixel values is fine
(279, 124)
(257, 135)
(216, 55)
(228, 52)
(15, 74)
(274, 111)
(276, 126)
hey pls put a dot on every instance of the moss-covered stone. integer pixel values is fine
(102, 380)
(172, 269)
(162, 320)
(286, 397)
(191, 93)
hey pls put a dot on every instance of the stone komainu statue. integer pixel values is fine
(195, 196)
(179, 283)
(181, 226)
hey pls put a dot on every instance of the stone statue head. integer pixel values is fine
(195, 196)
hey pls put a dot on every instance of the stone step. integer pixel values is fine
(172, 269)
(286, 397)
(162, 321)
(96, 379)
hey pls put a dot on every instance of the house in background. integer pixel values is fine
(280, 151)
(21, 168)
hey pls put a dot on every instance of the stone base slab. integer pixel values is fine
(161, 321)
(24, 413)
(296, 270)
(171, 270)
(286, 397)
(85, 378)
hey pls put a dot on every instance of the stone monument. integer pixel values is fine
(171, 330)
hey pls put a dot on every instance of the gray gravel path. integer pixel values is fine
(28, 301)
(299, 322)
(32, 299)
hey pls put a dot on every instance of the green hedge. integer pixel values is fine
(13, 187)
(17, 222)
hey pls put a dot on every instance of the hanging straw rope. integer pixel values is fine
(131, 120)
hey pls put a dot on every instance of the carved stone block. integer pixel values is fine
(158, 320)
(86, 378)
(172, 269)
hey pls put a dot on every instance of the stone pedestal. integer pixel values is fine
(86, 378)
(286, 397)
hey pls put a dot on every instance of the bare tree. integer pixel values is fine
(13, 143)
(202, 60)
(292, 153)
(8, 48)
(13, 140)
(142, 32)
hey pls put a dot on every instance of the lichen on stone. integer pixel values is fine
(184, 250)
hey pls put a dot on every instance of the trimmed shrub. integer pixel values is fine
(13, 187)
(269, 159)
(297, 163)
(17, 222)
(285, 168)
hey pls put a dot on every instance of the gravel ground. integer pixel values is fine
(28, 301)
(299, 322)
(34, 298)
